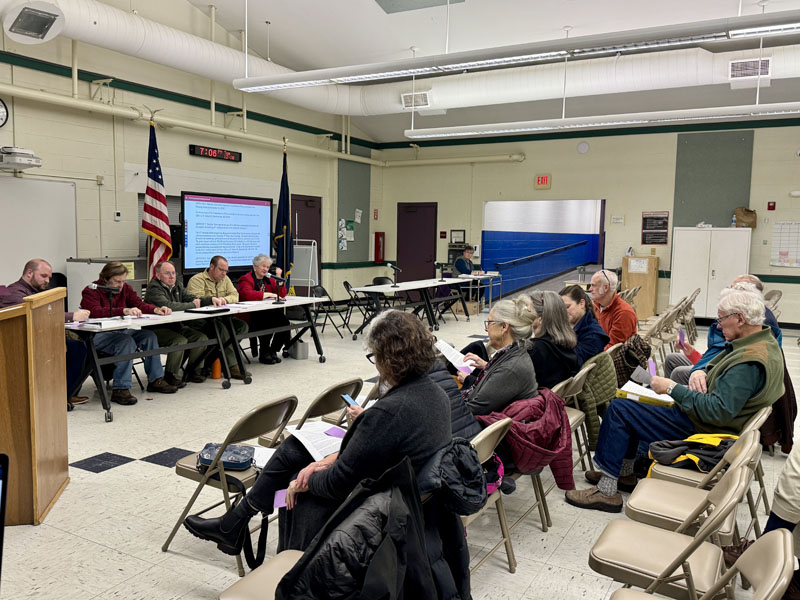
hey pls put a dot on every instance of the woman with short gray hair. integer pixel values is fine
(258, 285)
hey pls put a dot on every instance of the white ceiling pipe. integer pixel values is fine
(102, 25)
(134, 114)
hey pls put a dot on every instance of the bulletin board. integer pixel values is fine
(785, 244)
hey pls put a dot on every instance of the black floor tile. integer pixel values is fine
(168, 457)
(102, 462)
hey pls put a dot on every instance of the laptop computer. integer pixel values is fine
(3, 494)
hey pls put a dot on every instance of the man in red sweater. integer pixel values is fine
(616, 317)
(257, 285)
(125, 341)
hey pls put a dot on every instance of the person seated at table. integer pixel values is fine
(591, 337)
(119, 300)
(258, 285)
(463, 264)
(746, 377)
(215, 283)
(679, 366)
(166, 290)
(552, 348)
(616, 317)
(508, 375)
(35, 278)
(412, 418)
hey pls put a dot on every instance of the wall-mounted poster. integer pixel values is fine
(655, 228)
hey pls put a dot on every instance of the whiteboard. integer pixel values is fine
(546, 216)
(39, 222)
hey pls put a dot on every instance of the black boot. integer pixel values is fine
(227, 531)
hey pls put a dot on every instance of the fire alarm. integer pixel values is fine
(770, 206)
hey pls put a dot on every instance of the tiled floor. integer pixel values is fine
(103, 538)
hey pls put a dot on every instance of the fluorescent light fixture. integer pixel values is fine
(719, 113)
(501, 62)
(656, 44)
(783, 29)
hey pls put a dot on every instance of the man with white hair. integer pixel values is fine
(616, 317)
(259, 285)
(679, 366)
(742, 379)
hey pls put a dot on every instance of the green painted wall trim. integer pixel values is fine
(353, 265)
(36, 64)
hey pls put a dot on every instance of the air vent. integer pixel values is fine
(419, 100)
(748, 69)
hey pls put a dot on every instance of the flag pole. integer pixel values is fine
(148, 247)
(289, 201)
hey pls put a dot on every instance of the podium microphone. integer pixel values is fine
(104, 288)
(396, 268)
(276, 278)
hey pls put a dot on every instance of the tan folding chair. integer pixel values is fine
(485, 443)
(327, 402)
(273, 415)
(669, 562)
(261, 583)
(768, 565)
(577, 419)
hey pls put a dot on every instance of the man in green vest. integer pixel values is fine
(742, 379)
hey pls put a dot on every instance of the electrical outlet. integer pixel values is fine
(763, 242)
(652, 251)
(117, 215)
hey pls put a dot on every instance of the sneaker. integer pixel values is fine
(197, 377)
(161, 386)
(79, 400)
(174, 381)
(123, 397)
(276, 355)
(594, 499)
(624, 484)
(237, 374)
(732, 553)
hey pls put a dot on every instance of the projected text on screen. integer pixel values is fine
(236, 228)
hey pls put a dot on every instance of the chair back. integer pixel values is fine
(561, 387)
(270, 416)
(349, 289)
(741, 453)
(488, 439)
(757, 420)
(318, 291)
(771, 298)
(373, 393)
(331, 399)
(768, 565)
(578, 381)
(382, 281)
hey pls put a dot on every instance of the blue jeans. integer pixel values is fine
(627, 422)
(126, 341)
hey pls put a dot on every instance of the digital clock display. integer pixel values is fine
(218, 153)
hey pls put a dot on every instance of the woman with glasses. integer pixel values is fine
(411, 419)
(552, 348)
(591, 337)
(508, 375)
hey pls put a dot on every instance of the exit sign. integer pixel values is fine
(542, 182)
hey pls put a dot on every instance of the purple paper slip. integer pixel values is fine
(651, 364)
(335, 432)
(465, 369)
(280, 499)
(681, 337)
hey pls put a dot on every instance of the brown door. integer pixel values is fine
(416, 240)
(307, 225)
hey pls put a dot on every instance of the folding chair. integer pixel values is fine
(273, 415)
(261, 583)
(577, 419)
(669, 562)
(362, 303)
(768, 565)
(325, 403)
(330, 308)
(485, 443)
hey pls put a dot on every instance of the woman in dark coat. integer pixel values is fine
(591, 337)
(411, 419)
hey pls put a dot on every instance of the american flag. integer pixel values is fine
(155, 220)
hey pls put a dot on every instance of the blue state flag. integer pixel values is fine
(283, 240)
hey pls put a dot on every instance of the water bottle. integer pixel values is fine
(733, 220)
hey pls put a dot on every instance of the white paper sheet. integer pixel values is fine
(312, 435)
(454, 357)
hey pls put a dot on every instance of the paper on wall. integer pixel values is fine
(358, 215)
(342, 244)
(349, 235)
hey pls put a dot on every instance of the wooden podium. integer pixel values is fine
(33, 411)
(642, 271)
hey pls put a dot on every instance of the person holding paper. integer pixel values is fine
(259, 285)
(591, 337)
(679, 366)
(509, 374)
(412, 419)
(616, 317)
(125, 302)
(744, 378)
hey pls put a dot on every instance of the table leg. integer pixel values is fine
(237, 351)
(97, 376)
(426, 298)
(376, 308)
(464, 300)
(314, 335)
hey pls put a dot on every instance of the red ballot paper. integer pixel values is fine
(280, 499)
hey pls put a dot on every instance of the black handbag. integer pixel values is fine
(235, 458)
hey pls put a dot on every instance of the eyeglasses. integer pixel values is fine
(487, 323)
(371, 357)
(723, 317)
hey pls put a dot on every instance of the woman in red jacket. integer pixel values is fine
(103, 303)
(258, 285)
